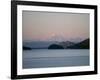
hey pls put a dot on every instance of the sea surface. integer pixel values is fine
(44, 58)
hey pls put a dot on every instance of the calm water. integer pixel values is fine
(42, 58)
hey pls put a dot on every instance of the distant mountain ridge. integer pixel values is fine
(66, 44)
(69, 45)
(81, 45)
(39, 44)
(56, 45)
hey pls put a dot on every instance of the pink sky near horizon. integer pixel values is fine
(49, 25)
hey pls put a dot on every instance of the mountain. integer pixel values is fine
(39, 44)
(81, 45)
(46, 44)
(61, 45)
(66, 44)
(55, 46)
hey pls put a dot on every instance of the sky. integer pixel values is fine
(54, 26)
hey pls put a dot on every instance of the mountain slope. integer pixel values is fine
(38, 44)
(66, 44)
(82, 45)
(55, 46)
